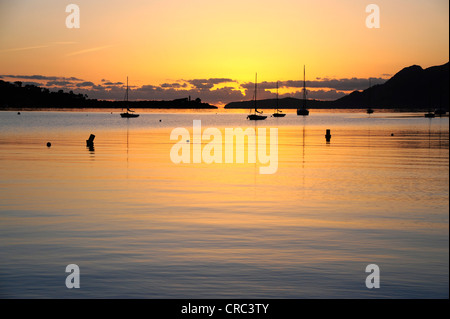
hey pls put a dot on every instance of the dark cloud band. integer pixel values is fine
(321, 88)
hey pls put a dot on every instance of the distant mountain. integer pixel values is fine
(411, 88)
(14, 95)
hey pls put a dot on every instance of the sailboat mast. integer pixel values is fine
(256, 87)
(128, 107)
(304, 87)
(129, 113)
(277, 96)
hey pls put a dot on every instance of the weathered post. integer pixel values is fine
(328, 135)
(90, 141)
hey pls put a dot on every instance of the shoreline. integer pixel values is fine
(420, 112)
(209, 108)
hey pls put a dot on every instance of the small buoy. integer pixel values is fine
(160, 120)
(392, 134)
(328, 135)
(18, 113)
(49, 144)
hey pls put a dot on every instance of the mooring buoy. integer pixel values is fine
(49, 144)
(328, 135)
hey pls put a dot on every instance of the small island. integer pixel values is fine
(16, 96)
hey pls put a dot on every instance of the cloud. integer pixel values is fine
(219, 96)
(320, 94)
(267, 92)
(336, 84)
(346, 84)
(25, 48)
(109, 90)
(320, 89)
(38, 46)
(94, 87)
(89, 50)
(31, 83)
(59, 83)
(83, 84)
(41, 77)
(64, 42)
(208, 83)
(263, 85)
(174, 85)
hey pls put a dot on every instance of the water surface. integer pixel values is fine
(140, 226)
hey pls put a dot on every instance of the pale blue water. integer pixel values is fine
(140, 226)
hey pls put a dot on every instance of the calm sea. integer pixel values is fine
(140, 226)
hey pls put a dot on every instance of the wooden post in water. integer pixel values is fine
(328, 135)
(90, 141)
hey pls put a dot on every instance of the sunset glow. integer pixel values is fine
(158, 42)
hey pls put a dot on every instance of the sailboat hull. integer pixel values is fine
(128, 115)
(278, 115)
(303, 112)
(256, 117)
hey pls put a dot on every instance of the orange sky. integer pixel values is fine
(155, 42)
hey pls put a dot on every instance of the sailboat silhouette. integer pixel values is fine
(129, 113)
(278, 112)
(370, 110)
(256, 115)
(303, 110)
